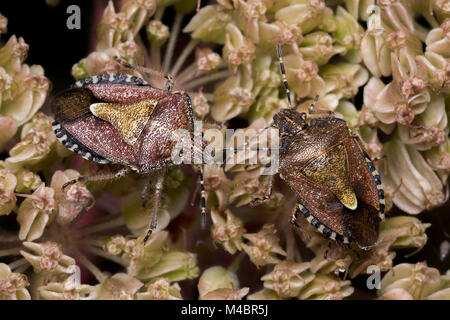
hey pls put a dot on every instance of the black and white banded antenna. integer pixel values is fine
(283, 74)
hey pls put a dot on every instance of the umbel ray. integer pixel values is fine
(121, 119)
(337, 188)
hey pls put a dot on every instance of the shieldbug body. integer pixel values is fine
(337, 187)
(121, 119)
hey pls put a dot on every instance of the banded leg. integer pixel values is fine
(148, 71)
(380, 187)
(283, 74)
(202, 199)
(157, 197)
(102, 177)
(375, 175)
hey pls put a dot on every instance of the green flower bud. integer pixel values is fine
(12, 284)
(69, 289)
(79, 70)
(160, 289)
(264, 294)
(326, 287)
(263, 246)
(237, 49)
(36, 144)
(348, 32)
(47, 258)
(115, 245)
(226, 294)
(288, 278)
(141, 257)
(3, 23)
(27, 181)
(233, 97)
(157, 33)
(137, 12)
(35, 212)
(8, 199)
(409, 232)
(227, 232)
(207, 60)
(8, 126)
(118, 287)
(209, 24)
(417, 279)
(216, 277)
(174, 266)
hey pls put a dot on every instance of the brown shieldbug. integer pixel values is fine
(337, 187)
(121, 119)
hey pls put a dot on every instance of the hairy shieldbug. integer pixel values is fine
(121, 119)
(338, 189)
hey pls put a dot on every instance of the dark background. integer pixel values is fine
(51, 44)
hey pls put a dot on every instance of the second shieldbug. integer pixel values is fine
(337, 187)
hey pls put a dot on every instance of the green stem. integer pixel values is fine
(98, 274)
(107, 255)
(22, 268)
(188, 73)
(172, 41)
(182, 58)
(155, 57)
(117, 222)
(159, 12)
(17, 263)
(207, 79)
(234, 266)
(10, 252)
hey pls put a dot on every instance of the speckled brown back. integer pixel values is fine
(152, 149)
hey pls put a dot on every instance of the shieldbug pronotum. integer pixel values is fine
(338, 190)
(121, 119)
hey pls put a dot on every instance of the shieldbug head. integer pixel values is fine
(337, 187)
(121, 119)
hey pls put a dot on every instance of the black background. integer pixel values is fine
(51, 44)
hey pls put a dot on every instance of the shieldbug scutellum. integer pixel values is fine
(121, 119)
(337, 187)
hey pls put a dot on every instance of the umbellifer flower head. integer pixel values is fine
(288, 278)
(264, 246)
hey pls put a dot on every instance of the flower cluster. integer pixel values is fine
(373, 63)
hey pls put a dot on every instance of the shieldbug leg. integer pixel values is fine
(157, 197)
(148, 71)
(102, 177)
(144, 191)
(202, 199)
